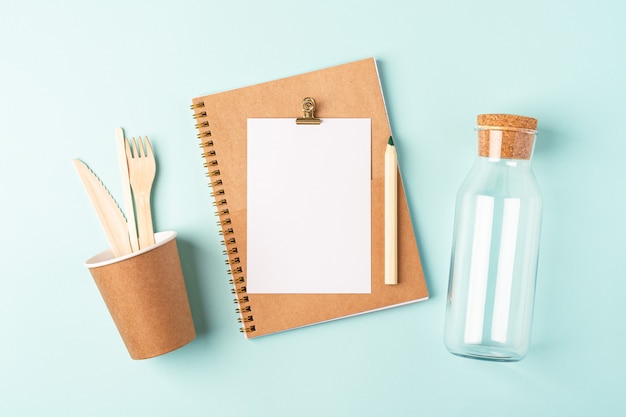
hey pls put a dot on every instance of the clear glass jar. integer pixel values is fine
(495, 245)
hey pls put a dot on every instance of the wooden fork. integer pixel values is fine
(141, 170)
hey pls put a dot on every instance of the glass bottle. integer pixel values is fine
(495, 245)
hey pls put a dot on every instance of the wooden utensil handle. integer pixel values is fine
(144, 220)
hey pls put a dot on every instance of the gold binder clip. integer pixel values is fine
(308, 108)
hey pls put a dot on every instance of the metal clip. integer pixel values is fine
(308, 110)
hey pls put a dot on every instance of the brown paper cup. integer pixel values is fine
(146, 296)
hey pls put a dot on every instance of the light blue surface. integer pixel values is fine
(72, 72)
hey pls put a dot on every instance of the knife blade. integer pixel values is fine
(109, 213)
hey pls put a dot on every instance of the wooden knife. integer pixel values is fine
(111, 217)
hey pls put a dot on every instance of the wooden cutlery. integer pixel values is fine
(109, 213)
(141, 170)
(122, 145)
(133, 232)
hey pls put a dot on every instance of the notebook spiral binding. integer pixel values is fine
(211, 163)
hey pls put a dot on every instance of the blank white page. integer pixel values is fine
(309, 206)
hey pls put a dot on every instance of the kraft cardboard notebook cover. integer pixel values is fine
(349, 91)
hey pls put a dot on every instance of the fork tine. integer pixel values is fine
(136, 149)
(129, 152)
(148, 151)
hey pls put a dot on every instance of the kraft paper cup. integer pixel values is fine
(146, 295)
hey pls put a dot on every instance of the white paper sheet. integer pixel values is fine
(309, 206)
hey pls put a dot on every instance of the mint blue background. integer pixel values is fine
(72, 71)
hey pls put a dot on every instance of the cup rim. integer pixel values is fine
(106, 257)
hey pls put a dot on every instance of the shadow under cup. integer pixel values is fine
(146, 295)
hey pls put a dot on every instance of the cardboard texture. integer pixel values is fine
(146, 295)
(349, 90)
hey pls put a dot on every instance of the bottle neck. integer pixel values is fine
(503, 162)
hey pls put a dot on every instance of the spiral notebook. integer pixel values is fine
(226, 122)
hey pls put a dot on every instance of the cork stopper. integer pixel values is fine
(506, 136)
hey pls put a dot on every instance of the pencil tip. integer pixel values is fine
(390, 142)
